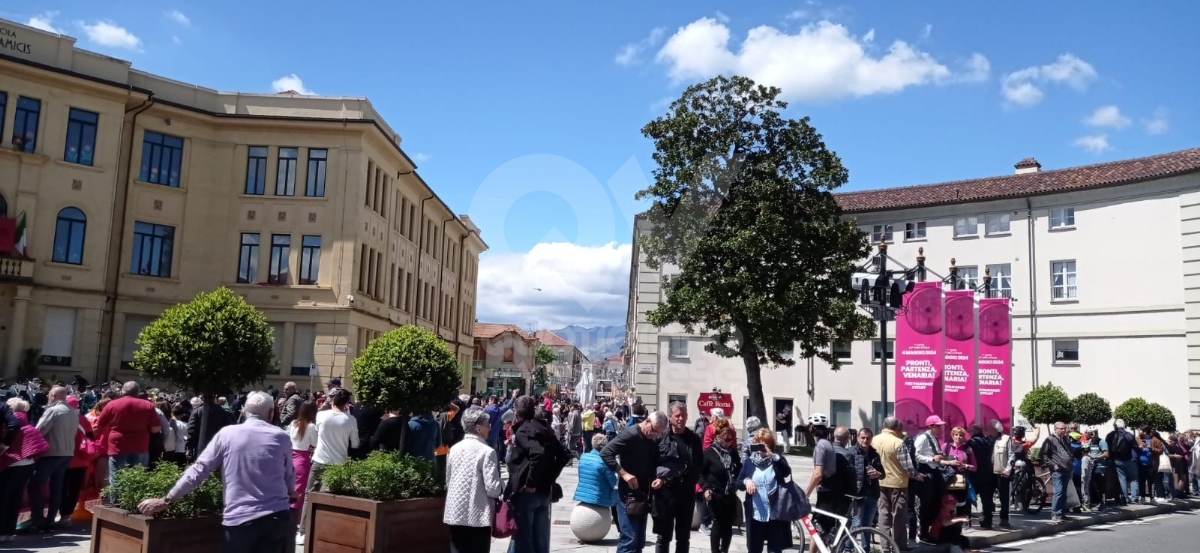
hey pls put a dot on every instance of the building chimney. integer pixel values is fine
(1028, 165)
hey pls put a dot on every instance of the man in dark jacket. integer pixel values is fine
(633, 455)
(983, 478)
(537, 458)
(291, 404)
(680, 452)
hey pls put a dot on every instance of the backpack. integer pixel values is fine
(845, 478)
(1121, 446)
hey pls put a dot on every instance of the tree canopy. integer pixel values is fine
(408, 368)
(1091, 409)
(742, 204)
(213, 344)
(1047, 404)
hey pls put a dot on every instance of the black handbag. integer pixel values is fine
(789, 503)
(637, 505)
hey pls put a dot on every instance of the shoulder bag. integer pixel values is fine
(504, 520)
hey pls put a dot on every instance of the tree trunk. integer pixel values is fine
(758, 405)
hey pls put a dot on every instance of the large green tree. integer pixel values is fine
(742, 204)
(543, 356)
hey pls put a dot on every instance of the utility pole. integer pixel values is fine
(881, 314)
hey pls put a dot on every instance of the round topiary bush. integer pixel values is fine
(1135, 412)
(1090, 409)
(408, 368)
(1046, 404)
(1160, 418)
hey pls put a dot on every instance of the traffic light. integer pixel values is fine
(900, 286)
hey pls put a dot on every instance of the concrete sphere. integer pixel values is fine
(590, 523)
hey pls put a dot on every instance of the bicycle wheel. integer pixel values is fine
(875, 541)
(1035, 497)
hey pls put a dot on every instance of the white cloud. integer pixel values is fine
(569, 276)
(629, 54)
(821, 61)
(1094, 143)
(290, 82)
(722, 17)
(927, 31)
(797, 14)
(1107, 116)
(869, 37)
(179, 17)
(1158, 124)
(420, 157)
(1024, 87)
(44, 22)
(107, 33)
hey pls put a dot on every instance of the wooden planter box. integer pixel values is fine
(342, 524)
(118, 531)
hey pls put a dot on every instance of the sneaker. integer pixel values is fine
(1084, 509)
(706, 529)
(299, 539)
(1056, 519)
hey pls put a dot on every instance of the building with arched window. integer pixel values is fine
(128, 192)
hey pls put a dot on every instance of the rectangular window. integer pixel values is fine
(133, 328)
(378, 278)
(1063, 285)
(678, 348)
(408, 293)
(966, 226)
(1001, 280)
(914, 231)
(997, 224)
(1062, 218)
(256, 170)
(362, 270)
(1066, 352)
(509, 355)
(58, 340)
(310, 259)
(25, 124)
(304, 347)
(285, 174)
(840, 413)
(876, 350)
(880, 233)
(878, 417)
(968, 278)
(248, 258)
(402, 216)
(81, 136)
(841, 350)
(316, 172)
(281, 249)
(153, 249)
(277, 344)
(420, 290)
(412, 220)
(672, 398)
(162, 159)
(370, 191)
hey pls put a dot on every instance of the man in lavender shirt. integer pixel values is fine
(255, 462)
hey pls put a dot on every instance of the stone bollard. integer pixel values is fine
(590, 523)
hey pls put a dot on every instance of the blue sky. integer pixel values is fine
(526, 115)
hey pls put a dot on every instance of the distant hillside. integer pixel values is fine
(597, 342)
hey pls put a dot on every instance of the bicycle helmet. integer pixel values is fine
(818, 419)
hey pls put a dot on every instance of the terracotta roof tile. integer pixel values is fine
(1028, 184)
(492, 330)
(548, 338)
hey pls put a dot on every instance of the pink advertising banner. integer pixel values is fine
(994, 363)
(919, 356)
(958, 372)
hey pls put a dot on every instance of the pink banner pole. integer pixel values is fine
(994, 361)
(958, 372)
(919, 356)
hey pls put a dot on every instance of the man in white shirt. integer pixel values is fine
(337, 432)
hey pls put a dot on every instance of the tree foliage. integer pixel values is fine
(1090, 409)
(1161, 418)
(385, 476)
(1137, 412)
(215, 343)
(1046, 404)
(742, 203)
(543, 356)
(408, 368)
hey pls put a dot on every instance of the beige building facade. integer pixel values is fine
(137, 192)
(1102, 263)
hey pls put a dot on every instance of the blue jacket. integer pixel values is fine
(424, 435)
(597, 483)
(494, 412)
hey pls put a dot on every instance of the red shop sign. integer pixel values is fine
(710, 400)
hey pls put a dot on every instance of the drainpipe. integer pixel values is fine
(112, 271)
(1033, 298)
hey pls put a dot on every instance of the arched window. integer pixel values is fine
(3, 207)
(68, 236)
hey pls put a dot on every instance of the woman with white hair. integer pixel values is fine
(472, 486)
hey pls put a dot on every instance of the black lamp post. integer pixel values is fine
(884, 297)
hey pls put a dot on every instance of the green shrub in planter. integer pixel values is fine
(132, 485)
(384, 476)
(409, 368)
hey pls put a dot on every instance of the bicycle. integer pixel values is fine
(845, 539)
(1029, 491)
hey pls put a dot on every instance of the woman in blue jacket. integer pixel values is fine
(762, 473)
(597, 483)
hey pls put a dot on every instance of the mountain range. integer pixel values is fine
(595, 342)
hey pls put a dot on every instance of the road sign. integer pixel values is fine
(313, 371)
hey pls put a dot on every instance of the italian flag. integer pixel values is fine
(19, 246)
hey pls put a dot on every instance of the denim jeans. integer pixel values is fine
(1127, 477)
(1061, 478)
(533, 523)
(267, 533)
(122, 460)
(633, 531)
(865, 517)
(47, 470)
